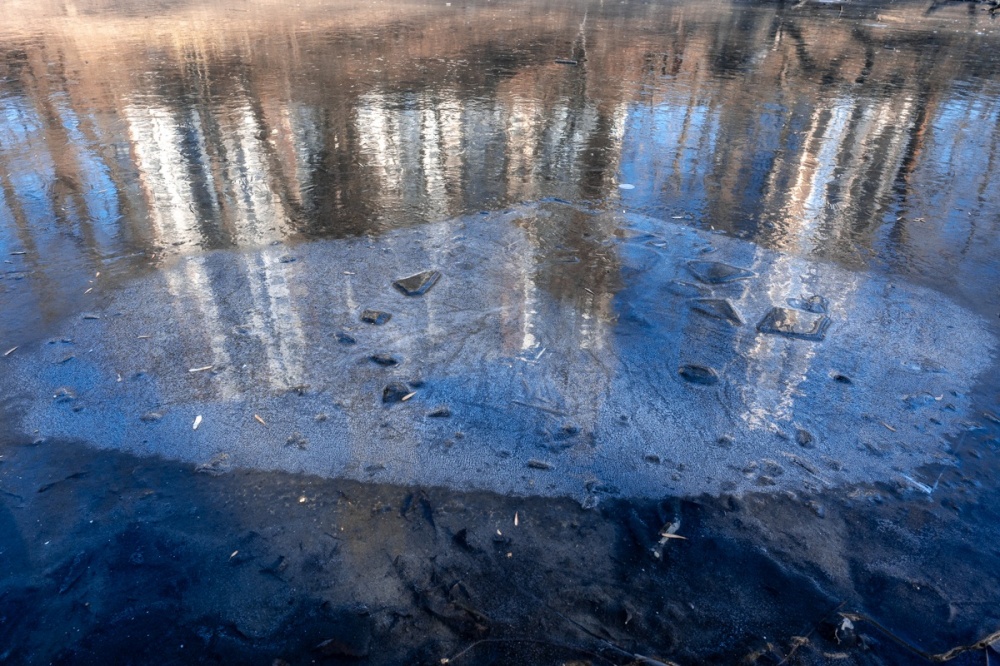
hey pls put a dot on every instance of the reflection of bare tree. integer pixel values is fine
(197, 128)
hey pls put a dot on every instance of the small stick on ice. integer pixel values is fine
(407, 396)
(201, 369)
(922, 487)
(515, 519)
(666, 534)
(197, 422)
(889, 427)
(258, 419)
(9, 351)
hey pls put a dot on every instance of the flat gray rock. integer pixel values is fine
(699, 374)
(795, 324)
(716, 272)
(717, 308)
(376, 317)
(419, 284)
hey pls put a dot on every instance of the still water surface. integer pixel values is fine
(130, 131)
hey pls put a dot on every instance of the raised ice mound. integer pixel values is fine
(557, 354)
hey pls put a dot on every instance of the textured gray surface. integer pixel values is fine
(546, 348)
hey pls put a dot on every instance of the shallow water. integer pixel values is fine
(739, 252)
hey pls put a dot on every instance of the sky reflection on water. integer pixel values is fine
(861, 135)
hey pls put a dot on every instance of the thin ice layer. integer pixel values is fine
(517, 373)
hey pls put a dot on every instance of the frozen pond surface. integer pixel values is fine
(640, 358)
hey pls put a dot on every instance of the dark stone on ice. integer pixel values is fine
(814, 304)
(718, 308)
(64, 394)
(566, 61)
(345, 339)
(539, 464)
(385, 360)
(297, 440)
(567, 431)
(687, 289)
(395, 392)
(795, 324)
(287, 259)
(805, 439)
(419, 284)
(376, 317)
(440, 413)
(699, 374)
(772, 468)
(714, 272)
(841, 378)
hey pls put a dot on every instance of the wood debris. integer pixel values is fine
(666, 534)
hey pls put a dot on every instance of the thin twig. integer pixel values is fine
(811, 632)
(936, 658)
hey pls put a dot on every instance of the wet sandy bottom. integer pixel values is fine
(150, 561)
